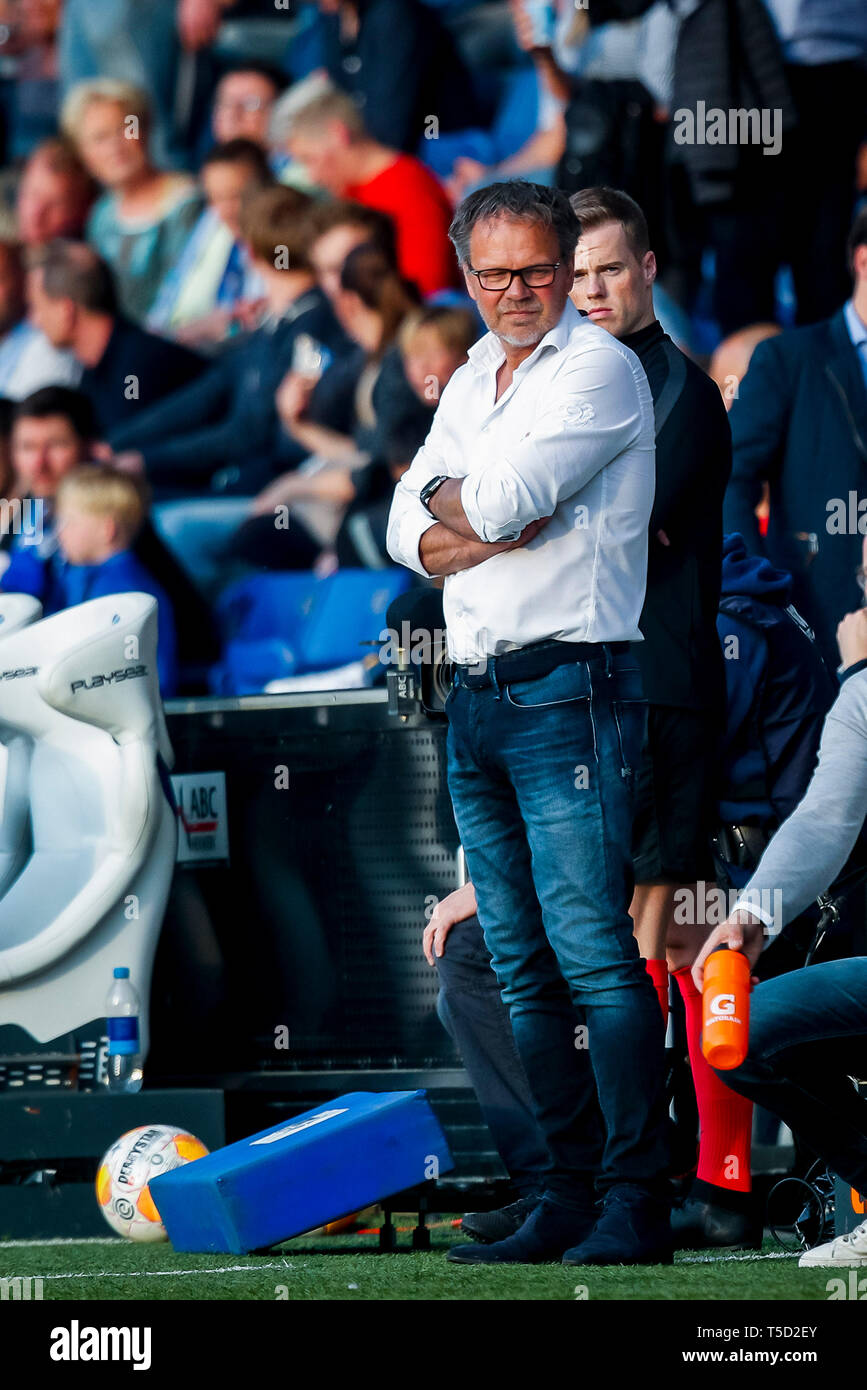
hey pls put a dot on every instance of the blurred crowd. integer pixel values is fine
(228, 300)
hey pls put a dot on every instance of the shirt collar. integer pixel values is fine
(488, 354)
(857, 328)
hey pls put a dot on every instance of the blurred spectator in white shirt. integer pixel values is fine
(214, 291)
(27, 359)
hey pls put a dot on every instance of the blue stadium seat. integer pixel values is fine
(267, 605)
(260, 621)
(278, 625)
(350, 610)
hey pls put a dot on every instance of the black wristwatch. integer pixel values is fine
(429, 489)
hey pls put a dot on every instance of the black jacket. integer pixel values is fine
(136, 370)
(680, 658)
(225, 427)
(402, 68)
(728, 56)
(799, 423)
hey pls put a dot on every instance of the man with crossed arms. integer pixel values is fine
(532, 496)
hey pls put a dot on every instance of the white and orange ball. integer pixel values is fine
(126, 1169)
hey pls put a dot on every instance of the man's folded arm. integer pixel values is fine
(595, 416)
(409, 519)
(810, 848)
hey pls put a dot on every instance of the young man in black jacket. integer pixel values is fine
(682, 670)
(223, 432)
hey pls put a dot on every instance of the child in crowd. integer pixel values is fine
(99, 511)
(433, 343)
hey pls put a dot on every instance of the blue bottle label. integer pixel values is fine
(122, 1036)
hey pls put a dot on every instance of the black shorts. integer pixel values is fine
(675, 797)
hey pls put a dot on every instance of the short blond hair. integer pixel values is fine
(101, 490)
(323, 108)
(132, 100)
(456, 328)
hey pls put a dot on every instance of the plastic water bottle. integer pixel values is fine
(124, 1072)
(726, 1008)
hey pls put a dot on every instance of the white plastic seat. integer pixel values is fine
(16, 611)
(93, 893)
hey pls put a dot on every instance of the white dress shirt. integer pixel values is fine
(28, 362)
(572, 438)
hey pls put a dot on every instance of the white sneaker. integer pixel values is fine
(850, 1249)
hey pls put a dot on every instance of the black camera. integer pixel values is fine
(419, 674)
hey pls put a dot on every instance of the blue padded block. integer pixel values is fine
(304, 1172)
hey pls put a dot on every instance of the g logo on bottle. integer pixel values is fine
(722, 1005)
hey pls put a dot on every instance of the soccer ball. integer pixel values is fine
(127, 1168)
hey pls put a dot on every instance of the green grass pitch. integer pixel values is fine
(350, 1268)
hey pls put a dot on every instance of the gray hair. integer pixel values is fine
(73, 270)
(519, 201)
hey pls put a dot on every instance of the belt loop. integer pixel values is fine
(492, 667)
(609, 659)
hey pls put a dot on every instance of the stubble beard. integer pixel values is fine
(527, 337)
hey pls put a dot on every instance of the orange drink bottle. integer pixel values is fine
(725, 1008)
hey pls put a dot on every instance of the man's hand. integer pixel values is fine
(442, 551)
(293, 397)
(280, 493)
(248, 313)
(740, 932)
(852, 637)
(457, 907)
(129, 461)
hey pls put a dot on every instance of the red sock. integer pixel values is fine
(725, 1119)
(658, 972)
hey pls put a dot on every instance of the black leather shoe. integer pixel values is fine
(489, 1226)
(548, 1231)
(634, 1229)
(701, 1225)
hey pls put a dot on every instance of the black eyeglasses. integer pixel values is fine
(535, 277)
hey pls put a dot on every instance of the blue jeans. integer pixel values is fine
(808, 1035)
(540, 777)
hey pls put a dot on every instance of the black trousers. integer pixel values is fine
(475, 1017)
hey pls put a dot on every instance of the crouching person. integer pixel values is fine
(808, 1028)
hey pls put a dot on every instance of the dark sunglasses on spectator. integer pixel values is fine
(535, 277)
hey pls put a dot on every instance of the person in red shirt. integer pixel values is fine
(327, 136)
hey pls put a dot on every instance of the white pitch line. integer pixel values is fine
(739, 1259)
(162, 1273)
(60, 1240)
